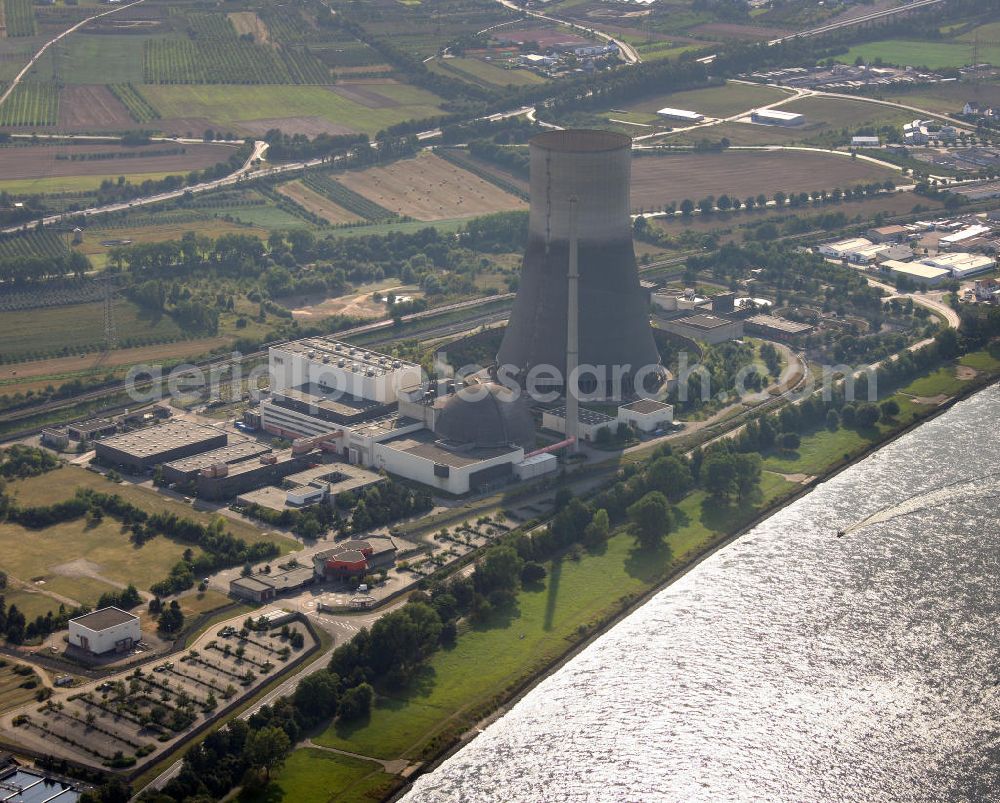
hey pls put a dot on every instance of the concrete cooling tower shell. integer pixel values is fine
(594, 167)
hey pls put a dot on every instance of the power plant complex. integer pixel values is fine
(579, 304)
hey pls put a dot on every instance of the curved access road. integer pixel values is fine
(52, 41)
(628, 52)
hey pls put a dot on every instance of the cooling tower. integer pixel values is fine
(592, 167)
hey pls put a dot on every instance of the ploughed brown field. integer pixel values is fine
(427, 187)
(90, 107)
(660, 180)
(40, 161)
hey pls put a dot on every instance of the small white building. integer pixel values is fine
(865, 142)
(646, 415)
(777, 117)
(104, 631)
(536, 466)
(967, 233)
(681, 114)
(847, 249)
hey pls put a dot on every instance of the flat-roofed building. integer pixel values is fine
(772, 327)
(963, 235)
(334, 366)
(317, 484)
(106, 630)
(845, 249)
(223, 481)
(703, 328)
(888, 234)
(681, 114)
(777, 117)
(144, 448)
(646, 415)
(354, 558)
(455, 468)
(917, 272)
(961, 264)
(187, 468)
(591, 422)
(265, 586)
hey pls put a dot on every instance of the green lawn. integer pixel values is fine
(982, 361)
(12, 694)
(941, 381)
(489, 660)
(720, 101)
(933, 55)
(62, 484)
(950, 97)
(226, 106)
(319, 776)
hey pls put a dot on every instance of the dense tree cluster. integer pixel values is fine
(20, 461)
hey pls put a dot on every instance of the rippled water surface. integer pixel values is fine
(792, 665)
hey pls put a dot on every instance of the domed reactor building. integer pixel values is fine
(589, 170)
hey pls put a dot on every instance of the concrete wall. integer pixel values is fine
(101, 641)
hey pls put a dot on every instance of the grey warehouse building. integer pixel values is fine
(144, 448)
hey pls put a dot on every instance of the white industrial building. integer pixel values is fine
(777, 117)
(104, 631)
(334, 366)
(676, 300)
(962, 235)
(681, 114)
(961, 264)
(646, 415)
(916, 272)
(591, 422)
(865, 142)
(858, 250)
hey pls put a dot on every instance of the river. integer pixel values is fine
(791, 665)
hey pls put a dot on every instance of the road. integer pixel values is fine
(52, 41)
(628, 52)
(859, 20)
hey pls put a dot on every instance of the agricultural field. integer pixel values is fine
(317, 204)
(35, 243)
(481, 72)
(660, 180)
(913, 53)
(248, 22)
(49, 161)
(359, 107)
(19, 17)
(91, 107)
(352, 202)
(228, 60)
(80, 184)
(429, 188)
(93, 238)
(31, 104)
(38, 333)
(139, 109)
(87, 58)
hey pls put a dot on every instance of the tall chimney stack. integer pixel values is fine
(593, 169)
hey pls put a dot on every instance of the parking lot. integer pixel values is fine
(134, 715)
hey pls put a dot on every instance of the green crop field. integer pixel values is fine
(49, 331)
(947, 98)
(20, 17)
(481, 72)
(93, 59)
(227, 106)
(55, 184)
(139, 108)
(311, 775)
(44, 243)
(31, 104)
(933, 55)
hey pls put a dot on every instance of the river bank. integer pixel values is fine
(794, 664)
(494, 666)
